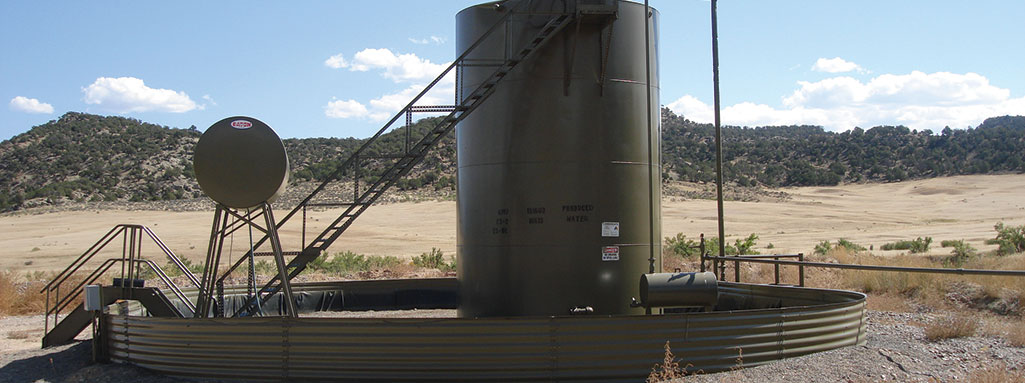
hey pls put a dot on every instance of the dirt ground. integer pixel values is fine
(964, 207)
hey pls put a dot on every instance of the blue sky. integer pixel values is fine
(338, 68)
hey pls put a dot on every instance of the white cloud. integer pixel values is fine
(404, 67)
(400, 68)
(917, 100)
(345, 109)
(382, 108)
(209, 99)
(337, 62)
(692, 108)
(428, 40)
(30, 105)
(130, 94)
(836, 65)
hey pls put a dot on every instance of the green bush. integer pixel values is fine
(265, 267)
(849, 245)
(348, 262)
(434, 260)
(739, 246)
(823, 247)
(1011, 239)
(962, 251)
(949, 242)
(919, 245)
(682, 246)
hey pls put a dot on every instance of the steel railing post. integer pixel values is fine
(800, 269)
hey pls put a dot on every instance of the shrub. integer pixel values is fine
(265, 267)
(434, 260)
(919, 245)
(20, 298)
(682, 246)
(996, 373)
(172, 270)
(348, 262)
(962, 251)
(948, 243)
(950, 327)
(668, 370)
(1011, 239)
(849, 245)
(744, 246)
(1017, 335)
(739, 247)
(823, 247)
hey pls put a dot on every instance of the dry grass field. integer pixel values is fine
(951, 208)
(919, 316)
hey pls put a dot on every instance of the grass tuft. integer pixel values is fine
(997, 373)
(668, 370)
(950, 327)
(20, 297)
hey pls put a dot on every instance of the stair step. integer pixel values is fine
(417, 151)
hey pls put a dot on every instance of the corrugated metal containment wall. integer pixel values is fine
(496, 349)
(554, 169)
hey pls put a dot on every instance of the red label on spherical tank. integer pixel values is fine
(241, 124)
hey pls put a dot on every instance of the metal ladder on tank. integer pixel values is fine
(464, 105)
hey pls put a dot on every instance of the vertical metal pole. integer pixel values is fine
(251, 273)
(206, 284)
(409, 126)
(800, 269)
(777, 270)
(304, 229)
(138, 253)
(355, 179)
(701, 253)
(46, 315)
(718, 140)
(275, 242)
(124, 251)
(647, 111)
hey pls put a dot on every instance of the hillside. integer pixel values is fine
(83, 157)
(801, 155)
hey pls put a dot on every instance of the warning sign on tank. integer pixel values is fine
(610, 229)
(610, 253)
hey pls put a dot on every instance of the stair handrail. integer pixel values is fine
(371, 194)
(370, 141)
(61, 302)
(170, 254)
(106, 265)
(85, 257)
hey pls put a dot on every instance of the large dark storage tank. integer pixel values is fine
(558, 184)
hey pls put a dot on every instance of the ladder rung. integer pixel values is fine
(334, 204)
(385, 156)
(269, 253)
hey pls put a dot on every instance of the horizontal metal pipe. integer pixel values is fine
(1013, 273)
(773, 256)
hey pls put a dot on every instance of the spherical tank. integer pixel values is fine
(240, 163)
(558, 171)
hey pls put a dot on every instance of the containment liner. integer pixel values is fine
(752, 325)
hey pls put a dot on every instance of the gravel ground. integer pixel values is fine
(896, 351)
